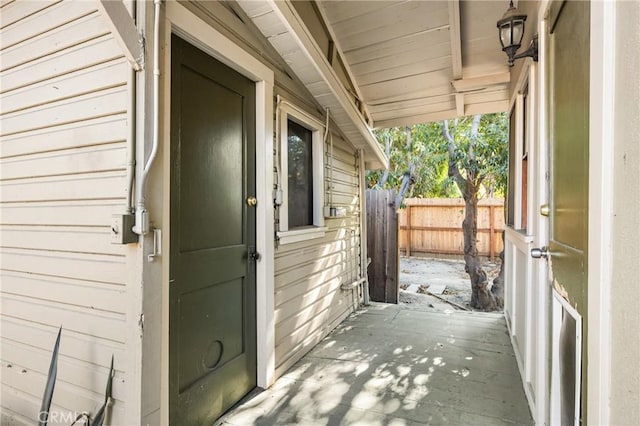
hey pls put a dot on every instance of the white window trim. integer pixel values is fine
(317, 230)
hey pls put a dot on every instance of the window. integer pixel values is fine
(511, 188)
(301, 175)
(519, 135)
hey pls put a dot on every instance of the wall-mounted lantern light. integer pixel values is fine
(511, 30)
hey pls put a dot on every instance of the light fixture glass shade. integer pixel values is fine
(505, 35)
(517, 31)
(511, 31)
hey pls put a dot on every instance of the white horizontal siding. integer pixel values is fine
(309, 302)
(74, 213)
(107, 157)
(92, 105)
(75, 345)
(36, 24)
(89, 267)
(96, 296)
(94, 186)
(98, 77)
(64, 101)
(13, 12)
(77, 57)
(90, 240)
(85, 133)
(65, 36)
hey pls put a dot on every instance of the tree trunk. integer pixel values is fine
(481, 297)
(497, 289)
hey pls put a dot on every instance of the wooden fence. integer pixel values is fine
(434, 226)
(382, 246)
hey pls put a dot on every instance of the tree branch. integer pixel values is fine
(410, 157)
(480, 179)
(407, 178)
(475, 124)
(454, 171)
(385, 175)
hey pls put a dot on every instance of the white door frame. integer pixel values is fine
(178, 20)
(541, 228)
(601, 142)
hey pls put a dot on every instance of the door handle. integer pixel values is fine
(254, 255)
(540, 253)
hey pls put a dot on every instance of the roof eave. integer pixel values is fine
(285, 30)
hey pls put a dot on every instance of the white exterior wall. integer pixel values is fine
(63, 146)
(617, 400)
(65, 109)
(309, 302)
(625, 291)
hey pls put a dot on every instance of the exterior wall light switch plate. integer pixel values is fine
(121, 229)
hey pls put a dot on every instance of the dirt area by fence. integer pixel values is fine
(444, 278)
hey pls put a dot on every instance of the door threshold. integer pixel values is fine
(252, 394)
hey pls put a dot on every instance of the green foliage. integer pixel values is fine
(43, 415)
(428, 156)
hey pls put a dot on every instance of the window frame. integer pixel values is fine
(317, 128)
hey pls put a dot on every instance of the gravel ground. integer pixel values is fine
(418, 274)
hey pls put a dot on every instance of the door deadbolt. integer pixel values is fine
(540, 253)
(252, 201)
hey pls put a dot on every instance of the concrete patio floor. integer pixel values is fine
(398, 365)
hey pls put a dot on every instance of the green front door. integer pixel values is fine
(569, 185)
(212, 326)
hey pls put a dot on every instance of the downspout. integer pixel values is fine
(142, 215)
(131, 148)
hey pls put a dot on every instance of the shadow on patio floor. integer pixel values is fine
(387, 365)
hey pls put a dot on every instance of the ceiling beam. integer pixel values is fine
(480, 83)
(460, 104)
(456, 49)
(455, 39)
(488, 107)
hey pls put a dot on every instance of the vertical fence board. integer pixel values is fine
(408, 237)
(393, 252)
(382, 246)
